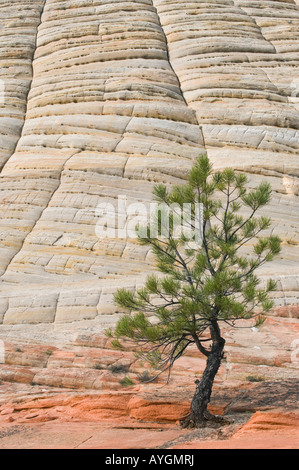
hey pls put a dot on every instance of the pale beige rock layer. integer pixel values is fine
(237, 62)
(123, 94)
(19, 21)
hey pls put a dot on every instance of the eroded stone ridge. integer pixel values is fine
(123, 94)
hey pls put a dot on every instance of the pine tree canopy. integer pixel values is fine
(207, 271)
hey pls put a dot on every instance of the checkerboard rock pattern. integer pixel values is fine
(101, 99)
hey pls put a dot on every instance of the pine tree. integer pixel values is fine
(201, 285)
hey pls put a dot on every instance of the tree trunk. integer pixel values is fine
(199, 415)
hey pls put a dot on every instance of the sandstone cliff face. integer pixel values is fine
(104, 98)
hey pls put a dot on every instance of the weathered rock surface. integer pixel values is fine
(19, 22)
(120, 420)
(101, 99)
(109, 97)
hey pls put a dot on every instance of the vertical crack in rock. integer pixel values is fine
(105, 100)
(42, 211)
(178, 79)
(43, 3)
(16, 53)
(240, 5)
(167, 52)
